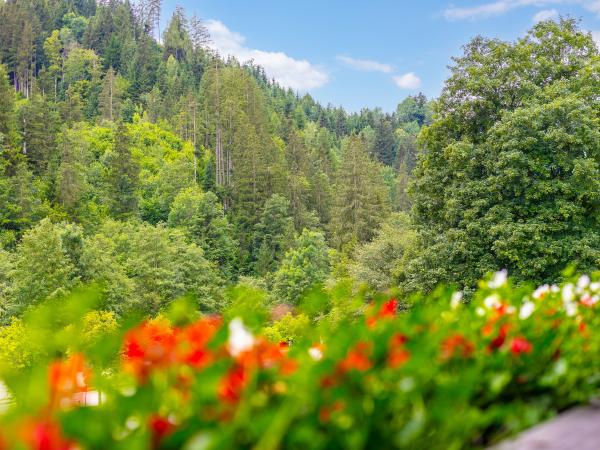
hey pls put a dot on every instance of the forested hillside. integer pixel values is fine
(195, 257)
(158, 169)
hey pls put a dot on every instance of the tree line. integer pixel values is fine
(140, 159)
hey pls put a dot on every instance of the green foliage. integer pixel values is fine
(273, 234)
(17, 352)
(43, 267)
(376, 378)
(506, 180)
(144, 268)
(305, 265)
(381, 263)
(362, 199)
(123, 176)
(201, 216)
(288, 329)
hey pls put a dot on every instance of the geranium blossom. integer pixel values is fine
(150, 346)
(398, 355)
(457, 345)
(498, 280)
(67, 378)
(386, 311)
(357, 358)
(520, 345)
(240, 339)
(526, 310)
(44, 434)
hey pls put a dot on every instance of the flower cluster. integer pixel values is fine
(443, 374)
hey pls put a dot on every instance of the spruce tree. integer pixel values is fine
(123, 176)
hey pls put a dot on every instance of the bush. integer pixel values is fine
(443, 375)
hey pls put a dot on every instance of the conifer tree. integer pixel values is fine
(361, 197)
(123, 176)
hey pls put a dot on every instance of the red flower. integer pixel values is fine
(160, 427)
(457, 344)
(44, 435)
(398, 355)
(520, 345)
(67, 378)
(499, 340)
(232, 385)
(148, 347)
(387, 310)
(193, 339)
(357, 358)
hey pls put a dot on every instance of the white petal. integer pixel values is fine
(240, 339)
(526, 310)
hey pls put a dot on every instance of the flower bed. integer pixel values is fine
(444, 375)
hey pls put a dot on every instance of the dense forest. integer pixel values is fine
(157, 168)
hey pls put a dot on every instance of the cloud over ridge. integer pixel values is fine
(297, 74)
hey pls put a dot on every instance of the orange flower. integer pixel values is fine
(457, 344)
(232, 385)
(148, 347)
(67, 378)
(357, 358)
(398, 355)
(193, 339)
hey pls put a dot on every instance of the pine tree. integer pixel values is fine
(361, 197)
(297, 164)
(7, 107)
(273, 234)
(38, 124)
(384, 143)
(123, 176)
(111, 97)
(53, 52)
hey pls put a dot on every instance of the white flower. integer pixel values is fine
(583, 282)
(498, 280)
(568, 293)
(595, 287)
(455, 300)
(492, 301)
(541, 292)
(480, 311)
(240, 339)
(554, 289)
(571, 309)
(526, 310)
(315, 353)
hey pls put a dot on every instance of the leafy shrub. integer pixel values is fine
(443, 375)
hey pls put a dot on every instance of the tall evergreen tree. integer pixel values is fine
(384, 143)
(361, 197)
(123, 176)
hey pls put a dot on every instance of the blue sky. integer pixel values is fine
(370, 53)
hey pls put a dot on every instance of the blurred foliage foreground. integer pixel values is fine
(442, 375)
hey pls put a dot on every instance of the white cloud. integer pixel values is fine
(499, 7)
(407, 81)
(365, 65)
(545, 14)
(289, 72)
